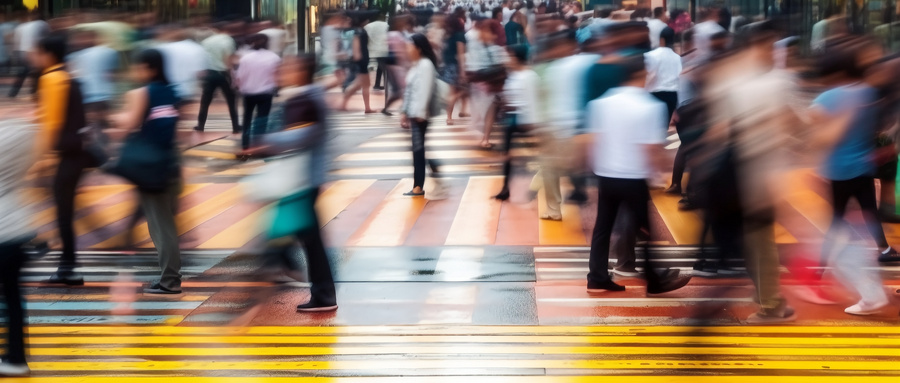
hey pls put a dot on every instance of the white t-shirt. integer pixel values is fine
(507, 14)
(656, 27)
(277, 37)
(28, 35)
(378, 46)
(184, 60)
(703, 33)
(565, 82)
(663, 69)
(521, 93)
(257, 72)
(625, 120)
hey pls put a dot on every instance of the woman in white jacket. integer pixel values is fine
(417, 105)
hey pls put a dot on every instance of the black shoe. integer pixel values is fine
(66, 278)
(577, 197)
(386, 113)
(673, 189)
(156, 288)
(687, 205)
(608, 285)
(377, 88)
(702, 268)
(671, 281)
(503, 195)
(890, 257)
(316, 305)
(239, 130)
(36, 249)
(198, 128)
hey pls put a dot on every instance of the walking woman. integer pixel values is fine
(417, 105)
(454, 59)
(361, 63)
(399, 64)
(257, 79)
(150, 159)
(520, 94)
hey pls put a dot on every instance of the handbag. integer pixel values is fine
(148, 166)
(293, 213)
(279, 178)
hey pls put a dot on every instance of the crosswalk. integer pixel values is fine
(370, 354)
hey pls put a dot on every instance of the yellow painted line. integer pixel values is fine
(239, 233)
(408, 170)
(460, 330)
(224, 143)
(457, 379)
(198, 214)
(569, 231)
(478, 215)
(782, 236)
(407, 155)
(463, 350)
(87, 196)
(471, 142)
(210, 154)
(809, 204)
(462, 364)
(140, 232)
(338, 196)
(685, 226)
(391, 221)
(526, 341)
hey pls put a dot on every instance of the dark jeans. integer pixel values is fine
(65, 184)
(11, 260)
(633, 195)
(320, 274)
(251, 102)
(25, 72)
(212, 81)
(418, 129)
(382, 71)
(671, 101)
(863, 190)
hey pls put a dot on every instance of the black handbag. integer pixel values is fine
(147, 165)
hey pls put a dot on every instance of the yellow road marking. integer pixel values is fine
(460, 330)
(685, 226)
(408, 170)
(197, 215)
(210, 154)
(478, 215)
(808, 203)
(468, 349)
(433, 154)
(338, 196)
(391, 221)
(457, 379)
(240, 233)
(782, 236)
(641, 364)
(101, 297)
(484, 340)
(87, 196)
(569, 231)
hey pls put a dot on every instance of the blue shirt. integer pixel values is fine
(852, 156)
(93, 67)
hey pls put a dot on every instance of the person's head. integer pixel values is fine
(718, 42)
(454, 25)
(149, 67)
(529, 4)
(660, 14)
(634, 70)
(51, 50)
(519, 18)
(485, 33)
(497, 13)
(572, 22)
(259, 42)
(298, 70)
(420, 47)
(518, 56)
(709, 14)
(459, 13)
(667, 38)
(505, 3)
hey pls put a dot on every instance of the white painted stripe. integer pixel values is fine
(106, 306)
(459, 264)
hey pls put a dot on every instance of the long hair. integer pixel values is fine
(424, 46)
(154, 61)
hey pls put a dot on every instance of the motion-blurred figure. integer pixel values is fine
(26, 38)
(94, 66)
(417, 109)
(257, 78)
(220, 47)
(522, 106)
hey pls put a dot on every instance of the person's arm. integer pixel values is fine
(54, 94)
(135, 110)
(357, 48)
(461, 58)
(425, 87)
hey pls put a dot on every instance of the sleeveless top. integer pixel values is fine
(161, 121)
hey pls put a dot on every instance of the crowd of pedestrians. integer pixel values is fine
(600, 91)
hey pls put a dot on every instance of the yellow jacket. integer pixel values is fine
(53, 98)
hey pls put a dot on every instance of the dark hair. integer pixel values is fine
(259, 41)
(633, 66)
(668, 36)
(529, 4)
(424, 46)
(154, 60)
(605, 13)
(55, 45)
(658, 12)
(519, 52)
(496, 11)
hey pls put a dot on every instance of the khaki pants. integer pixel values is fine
(159, 208)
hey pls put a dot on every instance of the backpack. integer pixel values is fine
(69, 142)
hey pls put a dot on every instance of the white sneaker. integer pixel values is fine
(11, 369)
(864, 308)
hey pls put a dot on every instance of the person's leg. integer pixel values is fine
(418, 149)
(11, 260)
(161, 224)
(250, 102)
(607, 208)
(378, 73)
(320, 274)
(351, 90)
(24, 71)
(636, 197)
(550, 175)
(365, 82)
(264, 108)
(209, 87)
(841, 191)
(489, 117)
(451, 102)
(865, 195)
(65, 186)
(230, 99)
(680, 158)
(625, 243)
(508, 133)
(763, 263)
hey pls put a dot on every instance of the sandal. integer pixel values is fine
(414, 194)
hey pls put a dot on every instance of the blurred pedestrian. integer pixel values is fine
(220, 47)
(94, 66)
(15, 213)
(663, 70)
(398, 63)
(521, 106)
(486, 72)
(360, 61)
(417, 109)
(378, 49)
(150, 115)
(257, 80)
(26, 37)
(185, 62)
(454, 59)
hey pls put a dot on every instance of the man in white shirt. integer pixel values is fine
(277, 36)
(656, 25)
(26, 37)
(220, 48)
(704, 31)
(626, 126)
(185, 60)
(663, 72)
(507, 11)
(378, 48)
(257, 80)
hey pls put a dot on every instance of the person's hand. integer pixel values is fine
(404, 122)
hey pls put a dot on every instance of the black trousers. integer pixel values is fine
(633, 195)
(419, 129)
(318, 268)
(65, 184)
(863, 190)
(26, 71)
(671, 101)
(212, 81)
(11, 260)
(382, 71)
(251, 102)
